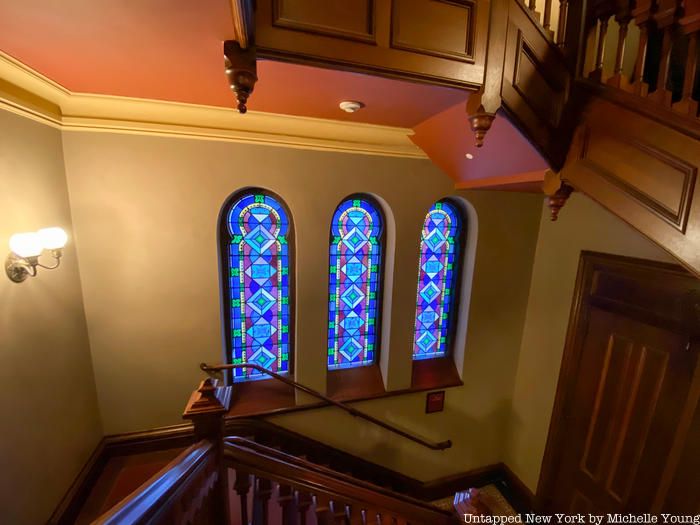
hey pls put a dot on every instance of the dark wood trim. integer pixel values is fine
(70, 505)
(519, 495)
(182, 436)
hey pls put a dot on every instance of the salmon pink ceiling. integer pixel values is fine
(172, 50)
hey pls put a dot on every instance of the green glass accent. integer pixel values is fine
(235, 272)
(375, 268)
(331, 324)
(237, 332)
(373, 240)
(333, 296)
(238, 361)
(370, 321)
(356, 203)
(370, 347)
(237, 238)
(449, 266)
(443, 316)
(285, 356)
(331, 351)
(448, 292)
(236, 303)
(285, 300)
(438, 205)
(336, 240)
(442, 340)
(260, 199)
(372, 295)
(285, 271)
(333, 269)
(282, 240)
(285, 329)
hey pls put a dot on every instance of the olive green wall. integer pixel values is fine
(48, 403)
(582, 225)
(145, 212)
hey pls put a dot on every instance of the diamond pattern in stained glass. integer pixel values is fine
(437, 278)
(258, 257)
(355, 261)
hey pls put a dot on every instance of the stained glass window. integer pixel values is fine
(256, 251)
(437, 280)
(355, 280)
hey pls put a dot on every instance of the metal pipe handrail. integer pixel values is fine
(442, 445)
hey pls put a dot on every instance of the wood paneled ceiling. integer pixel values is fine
(172, 50)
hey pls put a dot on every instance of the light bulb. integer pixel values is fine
(52, 238)
(26, 244)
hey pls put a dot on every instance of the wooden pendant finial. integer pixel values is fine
(241, 70)
(557, 191)
(480, 123)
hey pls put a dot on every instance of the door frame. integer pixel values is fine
(590, 264)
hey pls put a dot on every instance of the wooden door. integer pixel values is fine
(628, 391)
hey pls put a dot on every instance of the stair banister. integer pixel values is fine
(441, 445)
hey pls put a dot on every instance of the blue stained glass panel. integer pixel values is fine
(437, 279)
(355, 260)
(258, 257)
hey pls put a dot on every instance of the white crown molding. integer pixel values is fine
(27, 92)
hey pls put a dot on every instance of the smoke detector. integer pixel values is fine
(351, 106)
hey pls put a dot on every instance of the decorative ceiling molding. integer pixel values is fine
(27, 92)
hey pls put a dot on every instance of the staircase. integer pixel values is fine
(243, 472)
(611, 101)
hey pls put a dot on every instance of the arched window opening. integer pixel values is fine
(255, 237)
(442, 241)
(356, 251)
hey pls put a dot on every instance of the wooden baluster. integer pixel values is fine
(690, 25)
(261, 496)
(561, 26)
(642, 17)
(340, 512)
(532, 5)
(322, 508)
(665, 18)
(302, 501)
(242, 486)
(286, 500)
(597, 73)
(547, 18)
(623, 18)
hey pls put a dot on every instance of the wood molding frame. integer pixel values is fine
(30, 94)
(182, 436)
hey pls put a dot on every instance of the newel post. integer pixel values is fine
(207, 409)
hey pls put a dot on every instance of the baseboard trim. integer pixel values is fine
(182, 435)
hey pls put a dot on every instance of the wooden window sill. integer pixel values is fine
(269, 397)
(429, 374)
(353, 383)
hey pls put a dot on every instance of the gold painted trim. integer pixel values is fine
(28, 93)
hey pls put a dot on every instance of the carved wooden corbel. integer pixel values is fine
(241, 70)
(557, 191)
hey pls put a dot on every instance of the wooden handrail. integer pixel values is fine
(252, 458)
(442, 445)
(155, 498)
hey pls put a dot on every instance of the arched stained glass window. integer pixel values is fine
(355, 282)
(438, 271)
(255, 248)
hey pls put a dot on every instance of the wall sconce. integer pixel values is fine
(25, 249)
